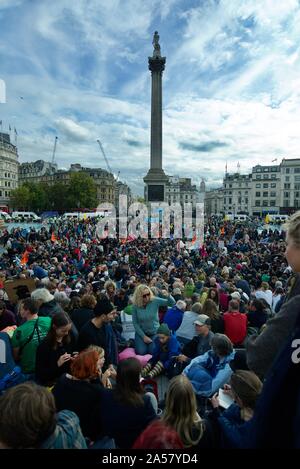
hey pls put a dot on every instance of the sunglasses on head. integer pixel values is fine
(145, 295)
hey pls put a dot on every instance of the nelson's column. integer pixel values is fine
(155, 180)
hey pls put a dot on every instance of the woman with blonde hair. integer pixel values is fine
(181, 414)
(145, 317)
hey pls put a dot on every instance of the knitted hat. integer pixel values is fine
(163, 329)
(103, 306)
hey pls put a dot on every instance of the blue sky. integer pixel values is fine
(231, 88)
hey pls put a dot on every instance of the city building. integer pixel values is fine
(181, 190)
(214, 202)
(47, 173)
(237, 193)
(8, 169)
(33, 172)
(266, 181)
(289, 188)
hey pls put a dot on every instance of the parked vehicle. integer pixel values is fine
(25, 216)
(5, 216)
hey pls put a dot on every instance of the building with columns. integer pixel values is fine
(8, 169)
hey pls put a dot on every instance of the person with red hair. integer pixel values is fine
(80, 391)
(158, 435)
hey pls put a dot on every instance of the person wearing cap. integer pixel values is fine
(166, 348)
(235, 323)
(201, 343)
(98, 331)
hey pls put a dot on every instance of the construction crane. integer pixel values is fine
(104, 155)
(54, 150)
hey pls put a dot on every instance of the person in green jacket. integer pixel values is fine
(145, 317)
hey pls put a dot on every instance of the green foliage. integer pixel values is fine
(81, 192)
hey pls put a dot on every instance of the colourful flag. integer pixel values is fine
(25, 257)
(53, 237)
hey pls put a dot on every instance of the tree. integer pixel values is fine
(20, 198)
(82, 191)
(38, 196)
(57, 197)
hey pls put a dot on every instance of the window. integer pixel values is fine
(265, 185)
(287, 170)
(286, 203)
(257, 194)
(286, 195)
(246, 200)
(258, 186)
(272, 194)
(274, 169)
(257, 203)
(287, 178)
(297, 178)
(272, 203)
(230, 200)
(239, 200)
(273, 185)
(258, 170)
(266, 170)
(296, 203)
(258, 176)
(265, 203)
(273, 176)
(230, 186)
(287, 186)
(265, 194)
(297, 194)
(296, 170)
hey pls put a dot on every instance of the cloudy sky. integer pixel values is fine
(78, 70)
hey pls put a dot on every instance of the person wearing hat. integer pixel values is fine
(166, 348)
(245, 388)
(200, 343)
(98, 331)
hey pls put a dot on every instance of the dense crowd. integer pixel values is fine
(219, 322)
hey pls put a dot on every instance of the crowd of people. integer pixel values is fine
(219, 320)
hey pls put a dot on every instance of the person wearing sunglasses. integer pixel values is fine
(145, 317)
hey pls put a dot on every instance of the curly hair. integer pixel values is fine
(137, 299)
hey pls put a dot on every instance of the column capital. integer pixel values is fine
(157, 64)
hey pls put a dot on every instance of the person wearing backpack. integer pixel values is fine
(28, 336)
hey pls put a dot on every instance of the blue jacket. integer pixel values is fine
(166, 357)
(173, 318)
(232, 426)
(208, 372)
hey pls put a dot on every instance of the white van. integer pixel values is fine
(5, 216)
(277, 219)
(241, 218)
(25, 216)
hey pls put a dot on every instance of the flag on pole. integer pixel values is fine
(16, 133)
(9, 128)
(53, 237)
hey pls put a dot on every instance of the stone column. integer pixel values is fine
(156, 179)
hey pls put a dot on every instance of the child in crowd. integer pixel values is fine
(166, 348)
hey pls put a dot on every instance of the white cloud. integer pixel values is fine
(232, 76)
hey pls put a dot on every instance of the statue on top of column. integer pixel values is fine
(156, 45)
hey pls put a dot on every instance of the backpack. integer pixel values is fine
(11, 379)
